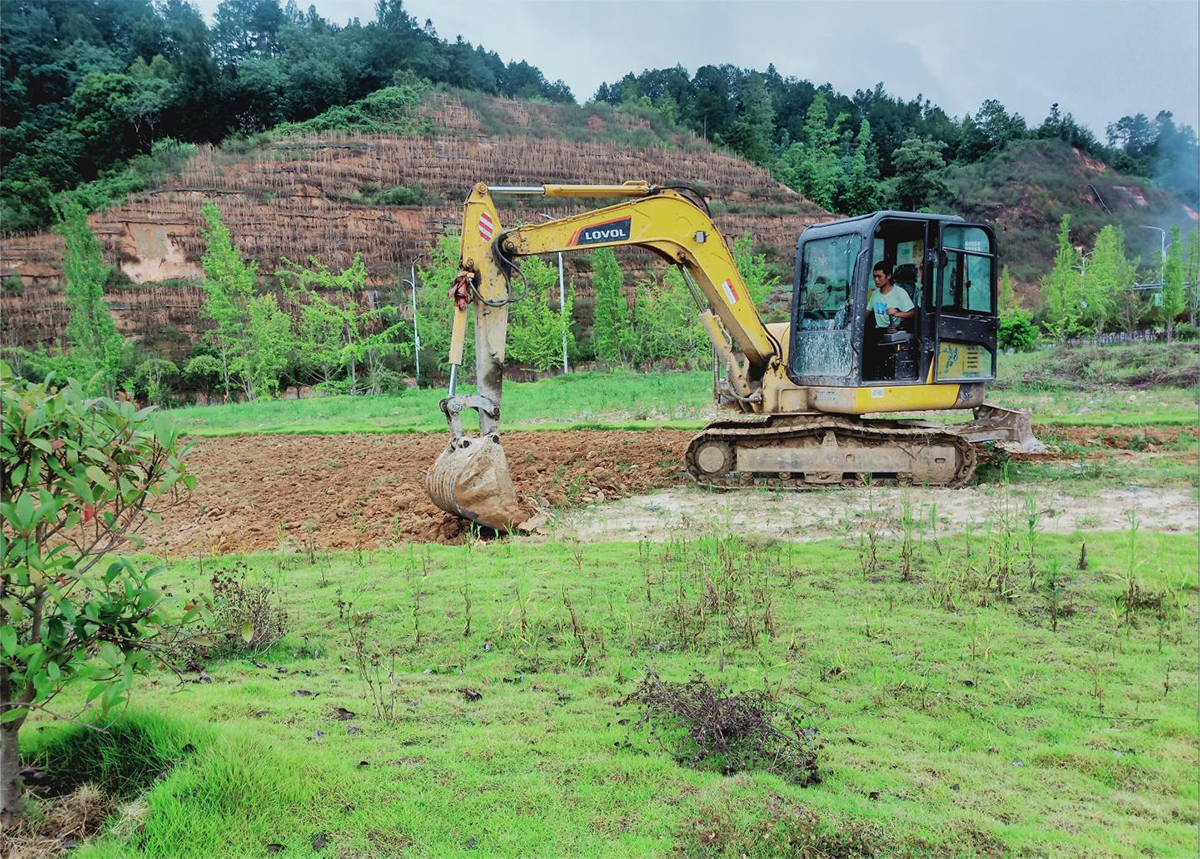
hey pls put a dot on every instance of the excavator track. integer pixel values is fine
(822, 452)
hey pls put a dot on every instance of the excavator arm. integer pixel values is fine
(471, 477)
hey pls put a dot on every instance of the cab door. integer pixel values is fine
(965, 320)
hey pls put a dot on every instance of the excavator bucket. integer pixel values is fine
(470, 478)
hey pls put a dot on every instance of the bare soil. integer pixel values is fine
(342, 491)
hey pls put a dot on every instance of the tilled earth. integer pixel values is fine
(342, 491)
(259, 492)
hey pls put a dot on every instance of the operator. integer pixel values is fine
(890, 306)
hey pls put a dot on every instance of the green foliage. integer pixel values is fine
(228, 290)
(435, 310)
(1107, 275)
(666, 323)
(750, 134)
(391, 109)
(918, 181)
(156, 377)
(535, 330)
(79, 474)
(757, 274)
(611, 331)
(1174, 296)
(344, 330)
(203, 372)
(1063, 288)
(1007, 294)
(98, 352)
(12, 285)
(1017, 331)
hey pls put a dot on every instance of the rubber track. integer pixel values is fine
(733, 432)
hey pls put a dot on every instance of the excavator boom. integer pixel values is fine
(471, 478)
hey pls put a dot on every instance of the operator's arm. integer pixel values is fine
(906, 309)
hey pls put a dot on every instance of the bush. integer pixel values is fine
(246, 618)
(12, 285)
(1187, 331)
(1017, 332)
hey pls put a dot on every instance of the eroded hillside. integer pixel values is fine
(326, 196)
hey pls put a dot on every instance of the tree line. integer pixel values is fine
(856, 153)
(88, 85)
(306, 325)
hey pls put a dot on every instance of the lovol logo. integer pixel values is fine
(609, 231)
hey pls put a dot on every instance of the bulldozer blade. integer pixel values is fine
(470, 478)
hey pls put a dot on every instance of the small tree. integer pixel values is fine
(228, 288)
(611, 328)
(1063, 288)
(755, 272)
(154, 376)
(97, 351)
(435, 311)
(1174, 299)
(203, 372)
(1008, 294)
(1107, 276)
(1192, 276)
(535, 329)
(78, 476)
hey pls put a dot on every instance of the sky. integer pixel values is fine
(1098, 60)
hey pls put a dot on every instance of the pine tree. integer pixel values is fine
(611, 330)
(98, 352)
(862, 175)
(820, 174)
(1062, 288)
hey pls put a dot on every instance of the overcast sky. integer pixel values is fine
(1098, 60)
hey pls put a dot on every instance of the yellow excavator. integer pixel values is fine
(800, 392)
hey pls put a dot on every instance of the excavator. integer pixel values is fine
(800, 395)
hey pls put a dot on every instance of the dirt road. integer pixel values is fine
(342, 491)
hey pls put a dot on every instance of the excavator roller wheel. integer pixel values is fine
(714, 457)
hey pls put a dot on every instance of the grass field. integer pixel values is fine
(964, 707)
(1145, 385)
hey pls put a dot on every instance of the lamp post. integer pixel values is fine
(412, 283)
(1162, 238)
(562, 302)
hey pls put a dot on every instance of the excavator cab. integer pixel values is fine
(946, 269)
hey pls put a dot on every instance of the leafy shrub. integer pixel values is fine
(708, 727)
(12, 285)
(1018, 332)
(1187, 331)
(246, 617)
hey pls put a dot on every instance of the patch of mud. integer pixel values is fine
(841, 512)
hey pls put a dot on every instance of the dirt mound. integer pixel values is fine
(338, 492)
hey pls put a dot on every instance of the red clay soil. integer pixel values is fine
(342, 491)
(366, 490)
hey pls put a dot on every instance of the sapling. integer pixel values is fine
(79, 476)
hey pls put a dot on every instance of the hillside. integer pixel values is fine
(324, 195)
(1025, 190)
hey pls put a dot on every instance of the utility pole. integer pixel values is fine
(412, 283)
(562, 302)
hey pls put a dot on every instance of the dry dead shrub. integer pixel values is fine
(705, 725)
(52, 827)
(247, 617)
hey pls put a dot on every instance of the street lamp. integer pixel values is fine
(1162, 236)
(562, 301)
(412, 282)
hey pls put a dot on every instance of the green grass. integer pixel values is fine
(1078, 387)
(954, 720)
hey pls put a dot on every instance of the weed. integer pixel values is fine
(576, 628)
(376, 667)
(705, 725)
(246, 618)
